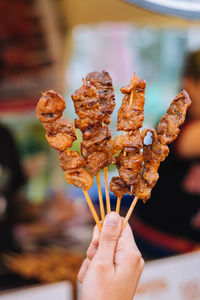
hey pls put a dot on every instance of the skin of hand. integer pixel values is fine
(113, 264)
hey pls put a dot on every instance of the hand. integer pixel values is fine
(113, 265)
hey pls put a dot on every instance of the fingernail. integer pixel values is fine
(112, 219)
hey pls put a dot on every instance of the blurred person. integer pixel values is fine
(169, 223)
(12, 179)
(113, 264)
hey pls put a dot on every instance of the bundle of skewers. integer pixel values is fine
(136, 162)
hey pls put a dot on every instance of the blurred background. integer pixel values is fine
(52, 44)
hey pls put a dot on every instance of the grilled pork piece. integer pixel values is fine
(60, 134)
(103, 84)
(94, 103)
(119, 187)
(157, 151)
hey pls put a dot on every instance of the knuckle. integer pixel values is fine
(89, 253)
(110, 237)
(135, 258)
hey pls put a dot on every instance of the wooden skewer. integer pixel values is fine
(131, 97)
(93, 211)
(133, 204)
(118, 204)
(100, 197)
(107, 190)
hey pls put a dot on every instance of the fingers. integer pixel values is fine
(127, 250)
(90, 254)
(108, 238)
(94, 243)
(83, 270)
(126, 238)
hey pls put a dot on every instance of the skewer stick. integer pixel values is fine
(131, 96)
(131, 99)
(107, 190)
(118, 204)
(93, 211)
(133, 204)
(100, 197)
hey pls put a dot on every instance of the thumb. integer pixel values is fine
(109, 237)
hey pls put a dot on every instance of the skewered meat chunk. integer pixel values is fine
(152, 155)
(86, 103)
(60, 141)
(60, 134)
(80, 178)
(60, 126)
(130, 117)
(167, 132)
(168, 126)
(129, 167)
(150, 167)
(103, 83)
(96, 139)
(161, 150)
(94, 102)
(119, 187)
(50, 107)
(97, 132)
(157, 151)
(72, 161)
(132, 141)
(96, 147)
(98, 160)
(142, 191)
(82, 124)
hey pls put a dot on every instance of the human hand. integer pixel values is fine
(113, 265)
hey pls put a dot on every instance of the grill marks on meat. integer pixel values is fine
(60, 141)
(50, 107)
(96, 146)
(168, 127)
(103, 84)
(86, 104)
(60, 126)
(72, 161)
(94, 102)
(60, 134)
(119, 187)
(130, 119)
(80, 178)
(130, 142)
(129, 167)
(98, 160)
(96, 138)
(155, 153)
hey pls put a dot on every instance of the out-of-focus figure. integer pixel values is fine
(12, 180)
(169, 223)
